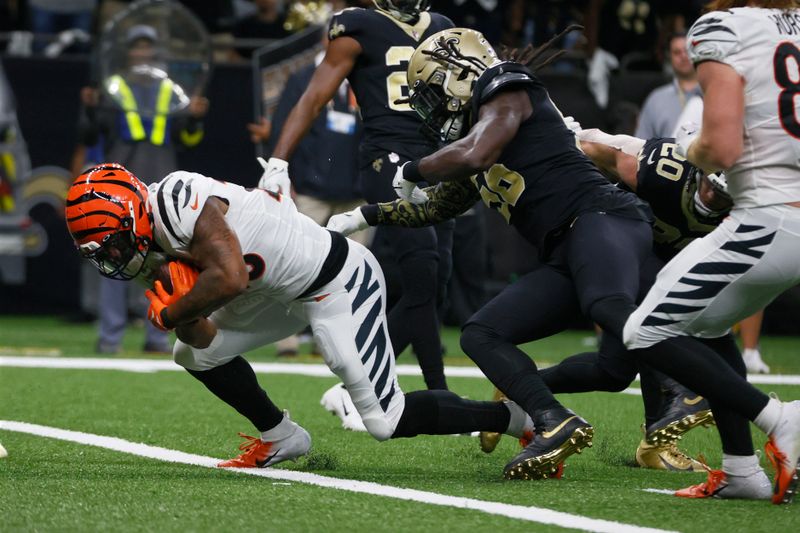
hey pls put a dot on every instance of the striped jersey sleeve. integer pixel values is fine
(176, 202)
(715, 37)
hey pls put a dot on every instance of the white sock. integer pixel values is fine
(740, 465)
(768, 418)
(518, 420)
(284, 428)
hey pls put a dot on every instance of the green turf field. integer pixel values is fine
(48, 484)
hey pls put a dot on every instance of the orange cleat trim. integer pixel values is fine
(704, 490)
(785, 481)
(256, 454)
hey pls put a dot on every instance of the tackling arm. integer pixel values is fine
(339, 60)
(445, 201)
(498, 123)
(612, 161)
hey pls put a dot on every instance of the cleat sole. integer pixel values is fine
(551, 463)
(673, 432)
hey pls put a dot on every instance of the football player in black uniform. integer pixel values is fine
(687, 205)
(371, 48)
(595, 239)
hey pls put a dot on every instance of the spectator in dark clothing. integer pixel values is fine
(324, 166)
(325, 163)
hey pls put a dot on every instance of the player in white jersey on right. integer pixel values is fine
(747, 56)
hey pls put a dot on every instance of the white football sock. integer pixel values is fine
(768, 418)
(284, 429)
(740, 465)
(519, 422)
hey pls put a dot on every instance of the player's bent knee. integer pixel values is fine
(476, 337)
(636, 335)
(200, 360)
(379, 428)
(183, 355)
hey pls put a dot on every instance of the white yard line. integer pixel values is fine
(660, 491)
(313, 370)
(531, 514)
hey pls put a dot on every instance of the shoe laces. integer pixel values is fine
(676, 452)
(712, 483)
(714, 479)
(250, 444)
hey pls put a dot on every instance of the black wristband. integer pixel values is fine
(370, 212)
(411, 171)
(165, 321)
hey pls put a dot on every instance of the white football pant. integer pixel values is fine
(726, 276)
(348, 320)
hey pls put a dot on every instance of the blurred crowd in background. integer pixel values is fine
(629, 31)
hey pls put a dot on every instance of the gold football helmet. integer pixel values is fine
(441, 75)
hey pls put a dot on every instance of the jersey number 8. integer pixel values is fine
(791, 87)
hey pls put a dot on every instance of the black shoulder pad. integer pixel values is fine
(497, 78)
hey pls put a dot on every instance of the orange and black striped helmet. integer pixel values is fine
(107, 216)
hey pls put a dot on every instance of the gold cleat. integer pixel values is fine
(667, 432)
(559, 434)
(489, 440)
(665, 457)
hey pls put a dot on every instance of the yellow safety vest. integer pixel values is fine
(116, 84)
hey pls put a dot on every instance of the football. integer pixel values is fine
(162, 274)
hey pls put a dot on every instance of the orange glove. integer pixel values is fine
(183, 277)
(157, 312)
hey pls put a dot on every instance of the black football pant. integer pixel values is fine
(600, 268)
(597, 261)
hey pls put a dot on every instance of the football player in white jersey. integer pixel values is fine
(747, 55)
(261, 271)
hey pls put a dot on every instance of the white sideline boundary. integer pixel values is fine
(302, 369)
(530, 514)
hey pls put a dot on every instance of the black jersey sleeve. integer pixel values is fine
(350, 22)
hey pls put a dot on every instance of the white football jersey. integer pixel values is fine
(763, 46)
(283, 249)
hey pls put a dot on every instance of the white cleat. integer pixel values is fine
(756, 486)
(337, 401)
(754, 363)
(257, 453)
